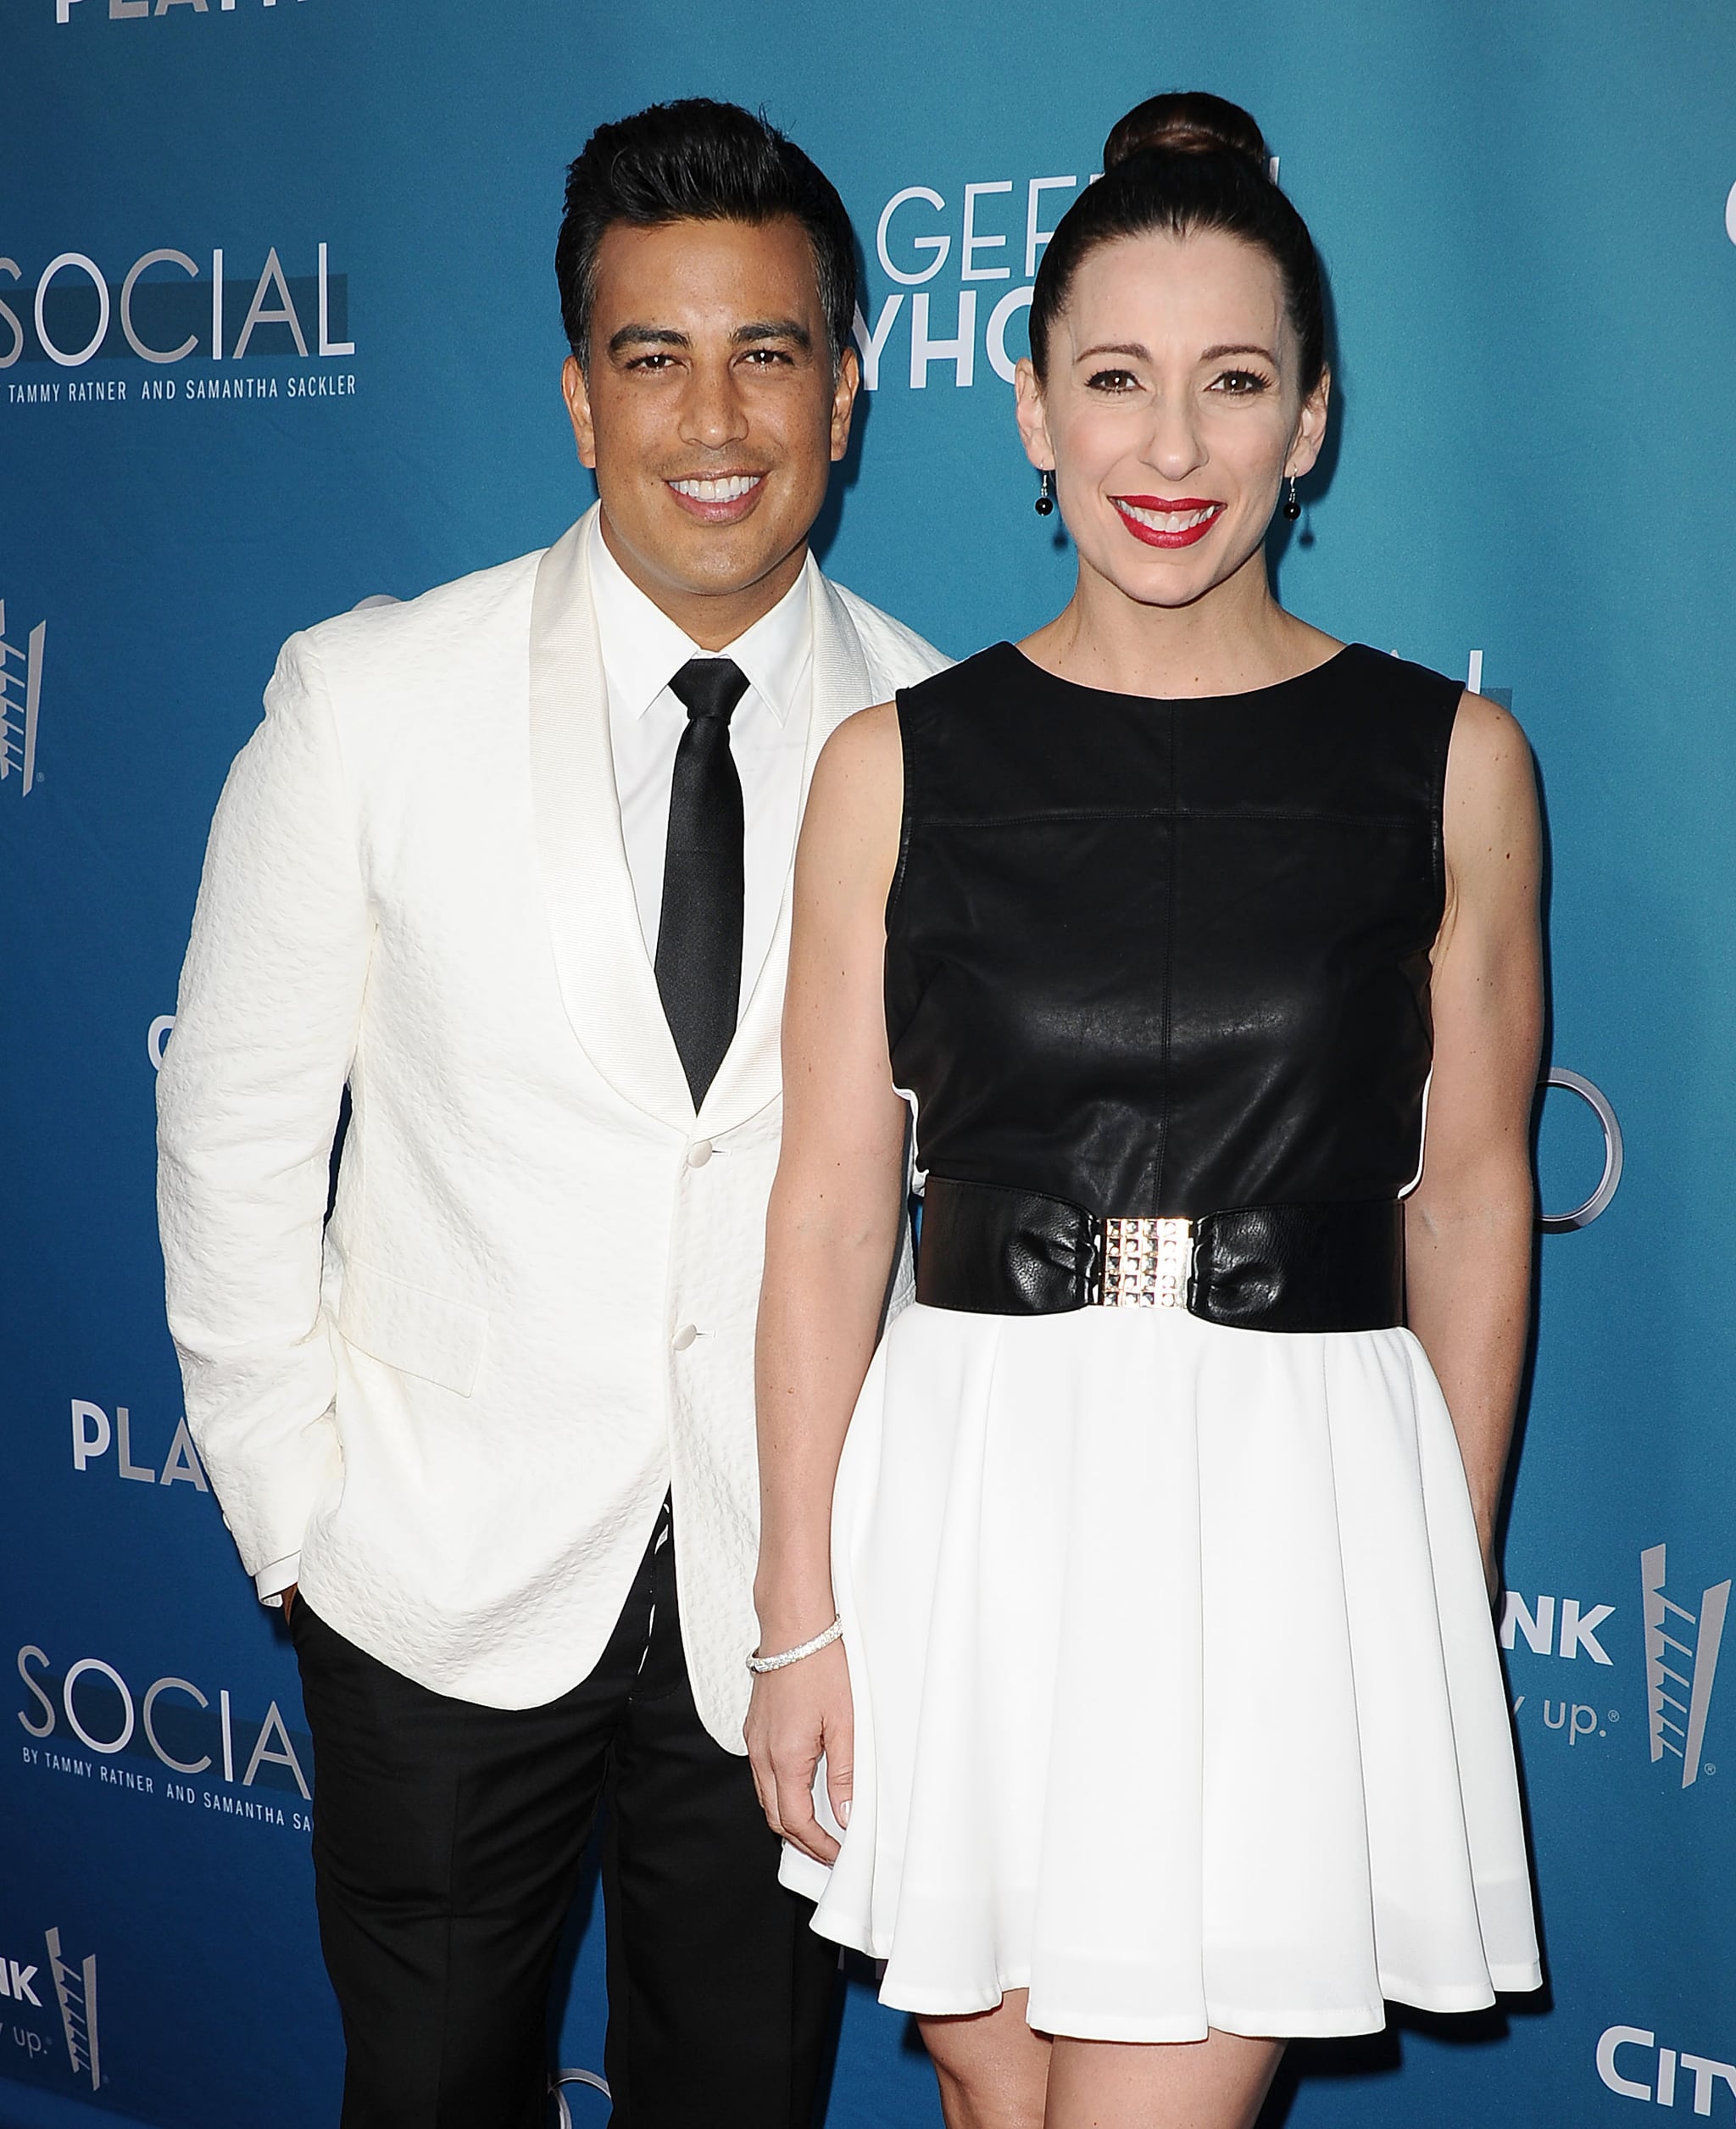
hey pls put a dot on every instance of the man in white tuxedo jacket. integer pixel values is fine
(512, 861)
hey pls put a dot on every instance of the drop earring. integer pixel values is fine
(1045, 494)
(1293, 508)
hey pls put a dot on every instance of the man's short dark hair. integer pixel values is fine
(698, 161)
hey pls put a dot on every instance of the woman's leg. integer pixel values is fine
(993, 2069)
(1216, 2083)
(995, 2073)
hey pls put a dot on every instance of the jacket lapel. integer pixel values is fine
(751, 1073)
(607, 982)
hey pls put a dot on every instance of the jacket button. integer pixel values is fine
(699, 1153)
(684, 1338)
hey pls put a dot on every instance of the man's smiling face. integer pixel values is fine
(710, 411)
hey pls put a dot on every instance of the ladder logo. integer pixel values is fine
(1681, 1662)
(75, 1988)
(20, 693)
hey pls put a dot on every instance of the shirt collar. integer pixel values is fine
(643, 649)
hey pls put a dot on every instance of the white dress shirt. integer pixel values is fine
(642, 651)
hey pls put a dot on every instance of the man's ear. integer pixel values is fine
(843, 401)
(1033, 419)
(577, 393)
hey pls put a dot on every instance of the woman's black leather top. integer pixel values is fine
(1168, 957)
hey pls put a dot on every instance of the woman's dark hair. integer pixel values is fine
(1180, 162)
(698, 160)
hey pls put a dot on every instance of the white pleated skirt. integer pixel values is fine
(1176, 1694)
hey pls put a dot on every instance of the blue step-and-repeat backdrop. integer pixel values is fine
(278, 331)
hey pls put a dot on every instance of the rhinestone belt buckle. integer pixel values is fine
(1146, 1263)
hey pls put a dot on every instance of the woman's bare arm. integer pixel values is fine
(1471, 1223)
(831, 1231)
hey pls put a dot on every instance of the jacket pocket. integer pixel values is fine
(419, 1333)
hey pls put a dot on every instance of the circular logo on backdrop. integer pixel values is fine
(586, 2077)
(1598, 1102)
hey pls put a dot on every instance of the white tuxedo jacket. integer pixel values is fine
(534, 1309)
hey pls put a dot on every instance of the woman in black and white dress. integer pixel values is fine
(1166, 1719)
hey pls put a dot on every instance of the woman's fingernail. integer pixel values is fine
(843, 1813)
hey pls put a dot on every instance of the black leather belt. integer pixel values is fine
(996, 1251)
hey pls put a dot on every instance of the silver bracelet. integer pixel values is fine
(760, 1664)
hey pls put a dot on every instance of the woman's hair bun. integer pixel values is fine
(1187, 122)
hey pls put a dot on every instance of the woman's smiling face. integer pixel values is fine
(1172, 410)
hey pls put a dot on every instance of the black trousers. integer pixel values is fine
(448, 1844)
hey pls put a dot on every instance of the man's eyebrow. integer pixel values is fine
(747, 336)
(646, 336)
(773, 329)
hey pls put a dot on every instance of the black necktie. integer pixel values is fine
(699, 930)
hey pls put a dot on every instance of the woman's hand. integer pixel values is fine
(797, 1714)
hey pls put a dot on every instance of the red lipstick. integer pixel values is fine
(1169, 506)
